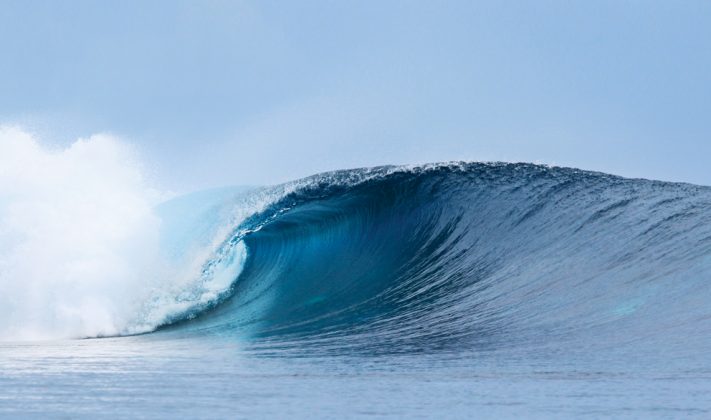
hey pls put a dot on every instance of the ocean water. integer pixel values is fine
(452, 290)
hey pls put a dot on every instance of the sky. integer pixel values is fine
(215, 93)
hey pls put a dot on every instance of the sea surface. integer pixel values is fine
(452, 290)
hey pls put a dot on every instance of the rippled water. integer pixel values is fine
(140, 377)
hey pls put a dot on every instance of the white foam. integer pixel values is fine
(80, 251)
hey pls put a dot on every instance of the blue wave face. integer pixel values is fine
(468, 257)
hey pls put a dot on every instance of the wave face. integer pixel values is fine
(466, 257)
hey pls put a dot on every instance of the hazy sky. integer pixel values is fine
(244, 92)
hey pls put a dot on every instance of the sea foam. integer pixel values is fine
(80, 243)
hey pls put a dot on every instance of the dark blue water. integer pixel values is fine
(452, 290)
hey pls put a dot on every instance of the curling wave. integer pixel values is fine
(460, 257)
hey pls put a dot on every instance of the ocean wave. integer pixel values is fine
(455, 256)
(463, 256)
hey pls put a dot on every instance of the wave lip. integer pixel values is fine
(468, 256)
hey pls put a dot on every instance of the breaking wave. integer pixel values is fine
(443, 257)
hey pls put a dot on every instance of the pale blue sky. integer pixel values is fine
(245, 92)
